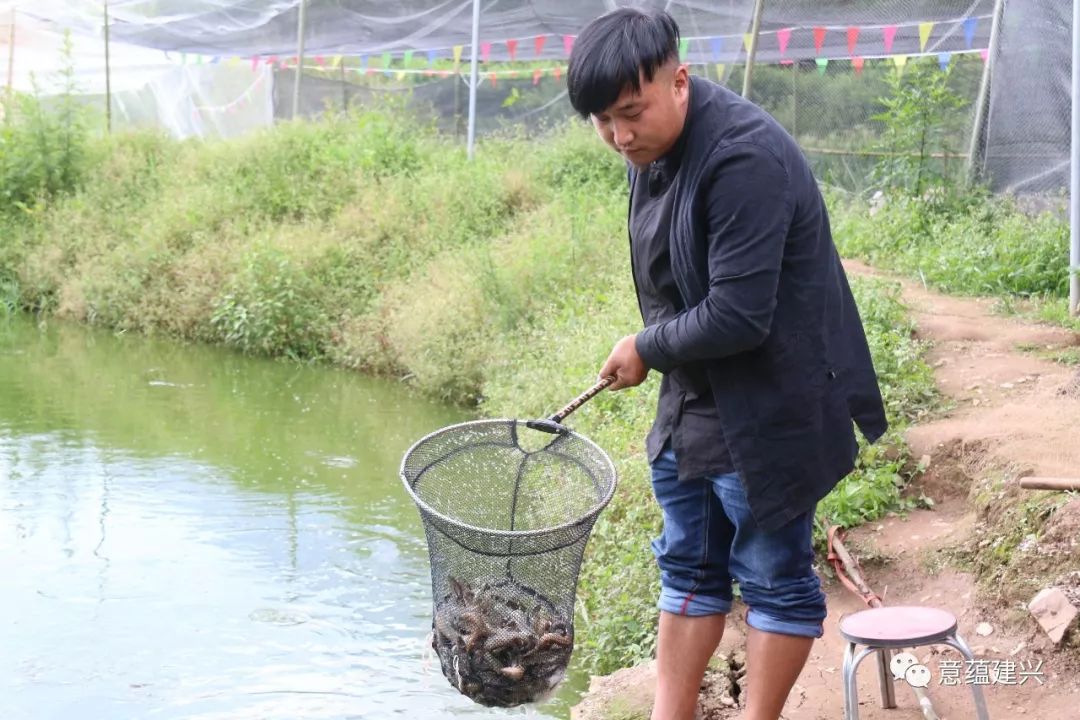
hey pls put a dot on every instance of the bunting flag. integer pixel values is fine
(852, 39)
(485, 51)
(272, 61)
(858, 63)
(254, 63)
(984, 54)
(557, 72)
(538, 44)
(494, 79)
(969, 31)
(385, 60)
(407, 58)
(943, 59)
(537, 74)
(900, 61)
(336, 62)
(431, 56)
(568, 44)
(400, 75)
(458, 49)
(684, 49)
(720, 67)
(783, 37)
(924, 34)
(320, 61)
(819, 39)
(363, 63)
(888, 33)
(747, 40)
(717, 46)
(822, 65)
(511, 45)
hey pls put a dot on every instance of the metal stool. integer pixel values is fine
(883, 629)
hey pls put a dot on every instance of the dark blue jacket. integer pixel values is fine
(769, 308)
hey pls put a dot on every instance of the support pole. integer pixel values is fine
(11, 59)
(474, 73)
(751, 52)
(299, 58)
(108, 80)
(976, 149)
(1074, 185)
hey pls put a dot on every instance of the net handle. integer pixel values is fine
(553, 424)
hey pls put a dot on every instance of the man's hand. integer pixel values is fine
(625, 364)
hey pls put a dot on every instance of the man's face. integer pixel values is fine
(643, 126)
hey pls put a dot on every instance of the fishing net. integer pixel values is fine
(507, 511)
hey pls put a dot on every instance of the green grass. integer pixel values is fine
(370, 242)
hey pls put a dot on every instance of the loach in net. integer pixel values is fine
(507, 511)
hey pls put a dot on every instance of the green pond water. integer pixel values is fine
(189, 533)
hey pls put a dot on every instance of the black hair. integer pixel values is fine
(614, 51)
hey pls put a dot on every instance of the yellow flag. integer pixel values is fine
(924, 34)
(458, 49)
(720, 71)
(400, 75)
(747, 39)
(336, 61)
(900, 61)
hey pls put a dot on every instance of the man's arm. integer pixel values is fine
(749, 210)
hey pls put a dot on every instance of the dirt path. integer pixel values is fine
(1012, 412)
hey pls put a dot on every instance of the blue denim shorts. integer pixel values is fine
(710, 538)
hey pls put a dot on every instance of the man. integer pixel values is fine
(750, 319)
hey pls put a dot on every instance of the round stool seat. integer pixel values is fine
(898, 626)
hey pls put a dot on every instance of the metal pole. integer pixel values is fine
(299, 70)
(751, 52)
(11, 59)
(108, 81)
(1074, 186)
(474, 73)
(982, 104)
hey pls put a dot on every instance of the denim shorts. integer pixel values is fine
(710, 538)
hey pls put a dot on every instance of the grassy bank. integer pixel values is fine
(369, 242)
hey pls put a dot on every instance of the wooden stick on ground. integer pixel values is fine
(1049, 483)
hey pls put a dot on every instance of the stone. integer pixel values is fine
(984, 629)
(1052, 609)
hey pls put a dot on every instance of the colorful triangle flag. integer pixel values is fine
(819, 39)
(494, 79)
(747, 40)
(858, 63)
(431, 55)
(822, 65)
(254, 62)
(924, 34)
(320, 61)
(511, 45)
(900, 61)
(969, 31)
(568, 44)
(363, 62)
(852, 39)
(984, 54)
(717, 47)
(386, 60)
(336, 62)
(407, 58)
(272, 61)
(720, 67)
(538, 44)
(485, 51)
(458, 49)
(400, 75)
(557, 72)
(943, 59)
(537, 74)
(889, 34)
(783, 37)
(684, 49)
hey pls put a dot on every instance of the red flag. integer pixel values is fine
(985, 54)
(485, 51)
(889, 34)
(819, 38)
(320, 60)
(783, 37)
(852, 39)
(557, 72)
(537, 74)
(272, 61)
(568, 43)
(539, 44)
(511, 45)
(254, 62)
(494, 80)
(857, 63)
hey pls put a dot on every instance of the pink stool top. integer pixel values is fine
(899, 626)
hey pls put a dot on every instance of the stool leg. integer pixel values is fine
(885, 679)
(955, 641)
(851, 690)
